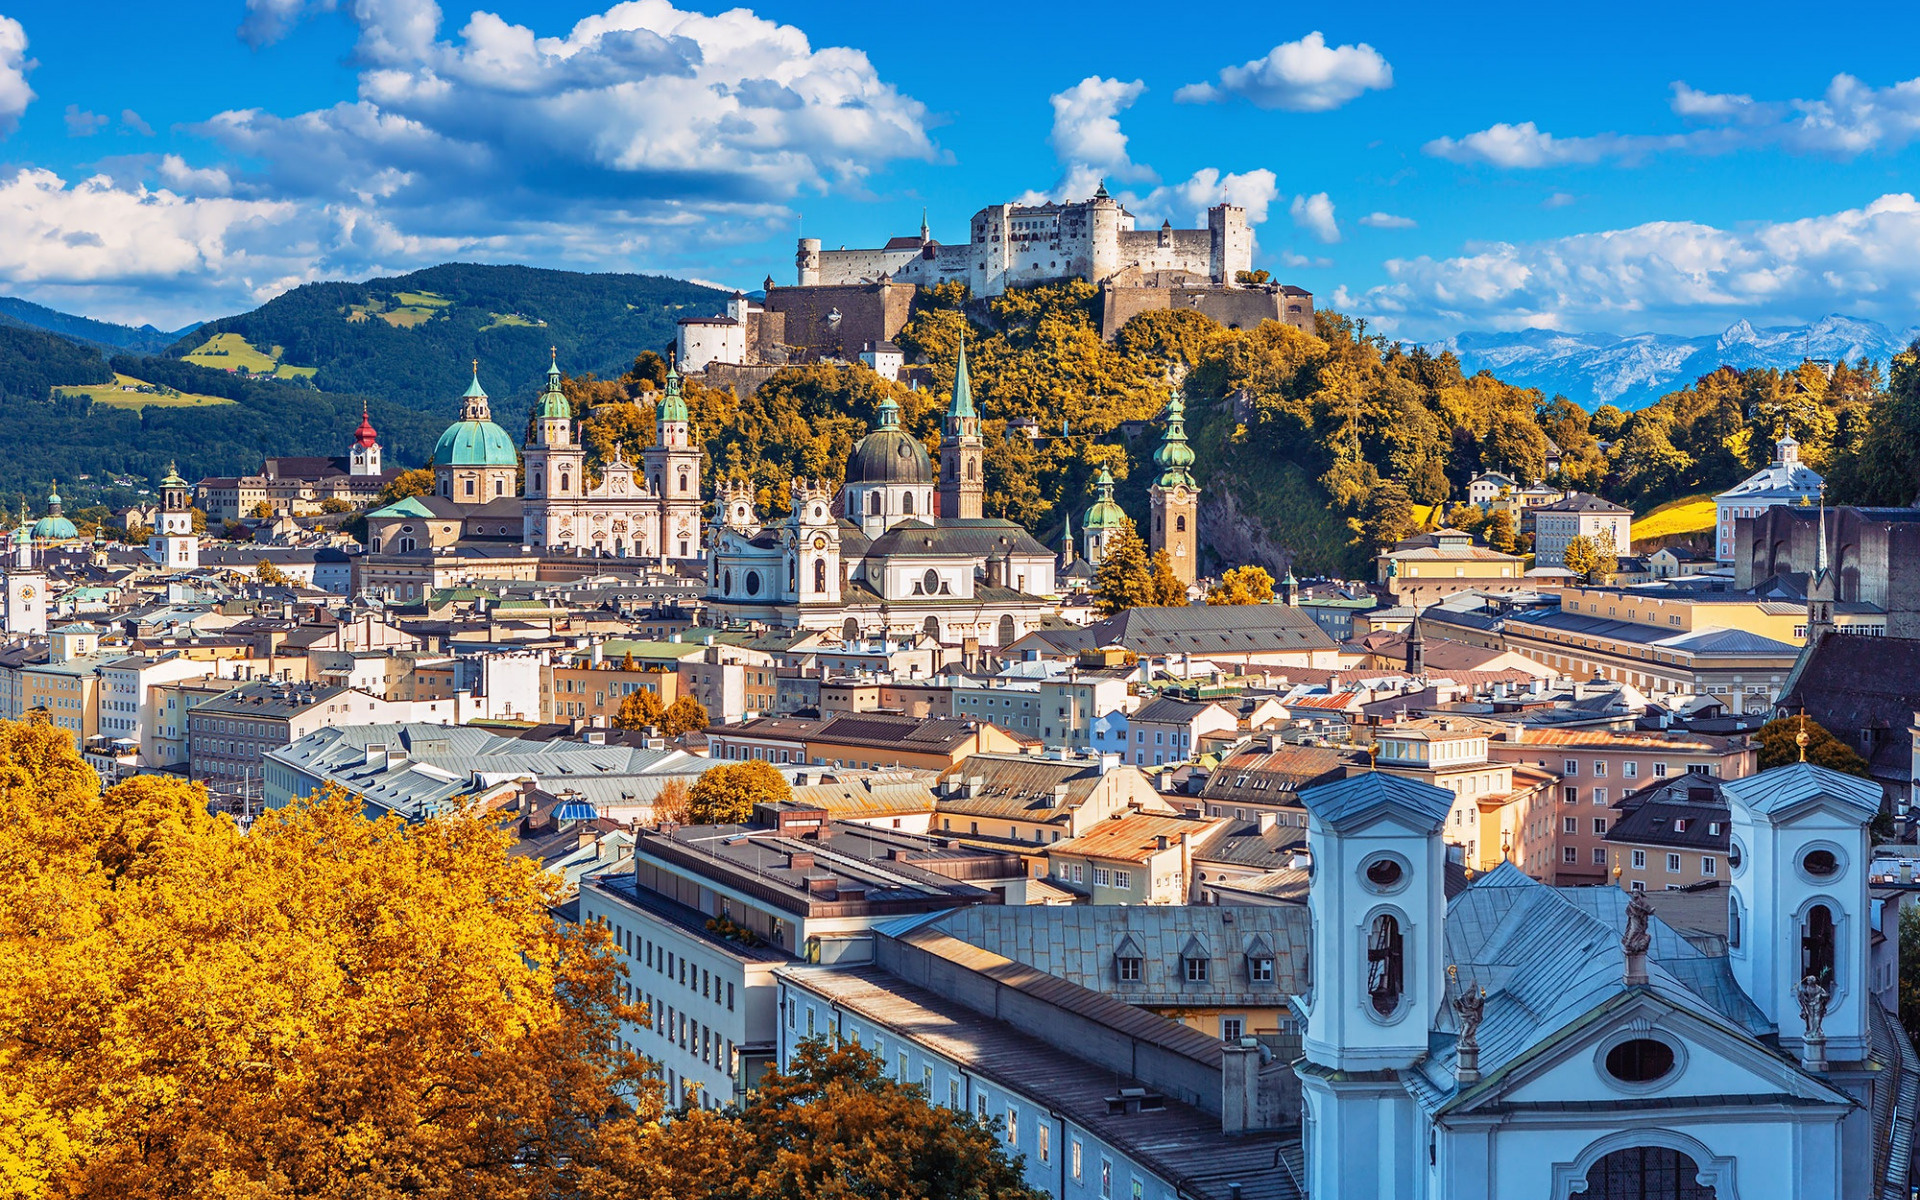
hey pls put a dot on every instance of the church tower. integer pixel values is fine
(1103, 521)
(363, 456)
(173, 544)
(673, 467)
(962, 488)
(1378, 909)
(26, 594)
(1176, 497)
(1820, 588)
(813, 550)
(555, 463)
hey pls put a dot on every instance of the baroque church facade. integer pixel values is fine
(898, 549)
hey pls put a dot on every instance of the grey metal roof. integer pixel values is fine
(1201, 629)
(1078, 943)
(1796, 783)
(1357, 797)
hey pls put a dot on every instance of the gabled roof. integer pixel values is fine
(1358, 797)
(1796, 784)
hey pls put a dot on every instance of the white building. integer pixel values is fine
(1579, 514)
(1785, 480)
(132, 696)
(1525, 1040)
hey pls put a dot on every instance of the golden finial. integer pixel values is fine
(1800, 737)
(476, 368)
(1616, 866)
(1506, 844)
(1373, 756)
(1453, 973)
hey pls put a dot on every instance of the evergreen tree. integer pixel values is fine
(1388, 515)
(1125, 577)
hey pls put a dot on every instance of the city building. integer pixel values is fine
(298, 486)
(1579, 514)
(1671, 834)
(870, 740)
(1785, 480)
(1131, 858)
(1166, 729)
(1428, 567)
(1026, 802)
(229, 737)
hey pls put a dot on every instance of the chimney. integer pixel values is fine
(377, 756)
(1239, 1088)
(1268, 821)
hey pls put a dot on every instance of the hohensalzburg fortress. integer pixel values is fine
(1018, 245)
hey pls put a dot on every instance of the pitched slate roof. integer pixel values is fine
(1200, 629)
(1359, 796)
(1796, 783)
(1583, 502)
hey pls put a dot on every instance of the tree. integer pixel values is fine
(834, 1125)
(640, 710)
(1125, 577)
(1243, 585)
(1499, 531)
(261, 511)
(336, 504)
(197, 517)
(726, 794)
(672, 806)
(684, 715)
(1590, 558)
(1168, 590)
(417, 482)
(1388, 515)
(1778, 746)
(1910, 970)
(202, 1008)
(265, 572)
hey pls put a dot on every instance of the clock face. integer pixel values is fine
(26, 593)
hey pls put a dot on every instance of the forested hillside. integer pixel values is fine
(1319, 446)
(33, 362)
(410, 338)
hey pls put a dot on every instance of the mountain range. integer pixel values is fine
(1634, 370)
(105, 335)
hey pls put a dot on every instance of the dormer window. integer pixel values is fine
(1127, 970)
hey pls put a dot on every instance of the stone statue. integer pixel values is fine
(1813, 1006)
(1469, 1006)
(1637, 939)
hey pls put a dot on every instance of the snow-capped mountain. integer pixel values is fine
(1633, 371)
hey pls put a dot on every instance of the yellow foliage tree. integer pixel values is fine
(265, 572)
(1590, 558)
(684, 715)
(417, 482)
(639, 710)
(726, 794)
(325, 1007)
(1168, 591)
(1243, 585)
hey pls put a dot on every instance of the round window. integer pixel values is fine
(932, 582)
(753, 583)
(1820, 863)
(1735, 855)
(1640, 1060)
(1384, 873)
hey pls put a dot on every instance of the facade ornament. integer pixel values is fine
(1636, 940)
(1813, 997)
(1468, 1007)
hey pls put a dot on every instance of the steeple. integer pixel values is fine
(1174, 455)
(474, 400)
(553, 404)
(1820, 586)
(1066, 539)
(674, 406)
(926, 235)
(962, 406)
(1416, 644)
(887, 416)
(1175, 496)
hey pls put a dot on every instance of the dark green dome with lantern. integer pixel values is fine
(889, 454)
(1175, 457)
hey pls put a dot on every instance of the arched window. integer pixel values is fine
(406, 545)
(1386, 964)
(932, 627)
(850, 630)
(539, 485)
(973, 469)
(563, 482)
(1646, 1173)
(906, 503)
(1007, 631)
(683, 481)
(1180, 524)
(1733, 920)
(819, 574)
(873, 503)
(1817, 956)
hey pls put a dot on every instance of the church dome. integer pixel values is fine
(1105, 514)
(474, 440)
(54, 527)
(889, 454)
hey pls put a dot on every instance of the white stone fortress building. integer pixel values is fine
(1019, 245)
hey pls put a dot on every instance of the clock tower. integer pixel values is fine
(26, 587)
(174, 545)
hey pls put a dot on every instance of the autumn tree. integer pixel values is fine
(334, 505)
(1499, 531)
(640, 710)
(1243, 585)
(1778, 747)
(340, 1006)
(1591, 558)
(1168, 590)
(197, 518)
(726, 794)
(673, 806)
(416, 482)
(1125, 576)
(261, 511)
(684, 715)
(265, 572)
(833, 1124)
(1388, 516)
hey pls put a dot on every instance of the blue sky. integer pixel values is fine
(1433, 168)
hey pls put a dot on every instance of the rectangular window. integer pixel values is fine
(1570, 795)
(1569, 855)
(1196, 969)
(1129, 969)
(1599, 856)
(1599, 824)
(953, 1092)
(1708, 866)
(1073, 1156)
(1570, 825)
(1123, 879)
(1106, 1178)
(1659, 770)
(1260, 970)
(980, 1103)
(1673, 864)
(1013, 1126)
(1599, 795)
(1572, 767)
(809, 1020)
(1599, 768)
(1042, 1142)
(1232, 1028)
(1639, 860)
(1630, 769)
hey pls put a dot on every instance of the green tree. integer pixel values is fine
(1428, 484)
(1125, 577)
(1388, 516)
(1243, 585)
(640, 710)
(726, 794)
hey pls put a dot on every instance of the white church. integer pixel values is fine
(1529, 1041)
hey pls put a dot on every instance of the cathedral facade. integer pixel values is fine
(879, 557)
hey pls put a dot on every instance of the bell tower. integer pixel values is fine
(26, 594)
(672, 466)
(555, 463)
(174, 544)
(363, 456)
(962, 488)
(814, 547)
(1175, 497)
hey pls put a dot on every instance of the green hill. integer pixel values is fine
(107, 336)
(411, 338)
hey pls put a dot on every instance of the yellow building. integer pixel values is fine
(67, 685)
(1451, 752)
(1429, 567)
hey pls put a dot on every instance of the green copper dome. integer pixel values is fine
(552, 404)
(672, 407)
(1174, 455)
(474, 440)
(1104, 514)
(53, 527)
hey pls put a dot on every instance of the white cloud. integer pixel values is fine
(131, 120)
(1189, 201)
(15, 95)
(1086, 131)
(81, 123)
(1294, 261)
(1315, 215)
(1381, 220)
(1866, 260)
(201, 181)
(1559, 200)
(1303, 76)
(270, 20)
(1851, 119)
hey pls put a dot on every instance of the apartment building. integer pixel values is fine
(869, 740)
(584, 691)
(1168, 730)
(1025, 802)
(1451, 752)
(230, 736)
(1671, 835)
(66, 684)
(1131, 858)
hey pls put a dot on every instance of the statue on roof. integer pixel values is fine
(1470, 1006)
(1637, 939)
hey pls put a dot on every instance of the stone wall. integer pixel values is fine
(836, 320)
(1234, 307)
